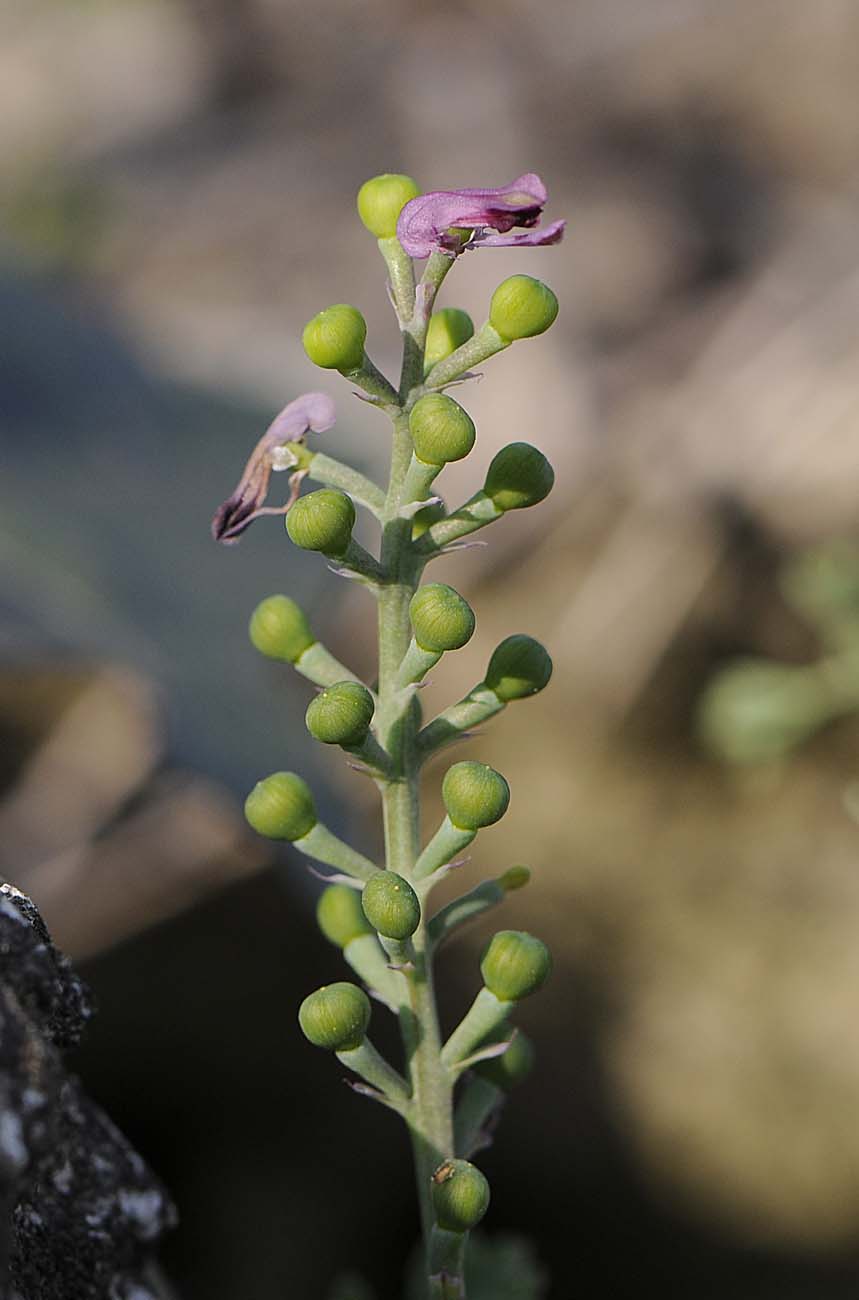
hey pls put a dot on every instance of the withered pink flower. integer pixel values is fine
(312, 412)
(452, 221)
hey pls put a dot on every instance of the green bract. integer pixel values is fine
(512, 1067)
(322, 521)
(341, 714)
(391, 905)
(448, 330)
(441, 430)
(279, 629)
(474, 795)
(460, 1195)
(518, 476)
(281, 807)
(335, 1017)
(519, 666)
(335, 338)
(515, 964)
(522, 307)
(441, 618)
(340, 915)
(381, 199)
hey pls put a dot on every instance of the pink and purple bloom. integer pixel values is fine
(312, 412)
(453, 221)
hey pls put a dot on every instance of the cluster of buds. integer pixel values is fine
(449, 1091)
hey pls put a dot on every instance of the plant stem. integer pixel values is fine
(430, 1109)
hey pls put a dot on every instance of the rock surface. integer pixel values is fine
(79, 1210)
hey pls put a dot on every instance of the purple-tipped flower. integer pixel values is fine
(455, 220)
(312, 412)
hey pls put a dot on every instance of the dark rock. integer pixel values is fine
(79, 1210)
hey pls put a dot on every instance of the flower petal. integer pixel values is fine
(425, 222)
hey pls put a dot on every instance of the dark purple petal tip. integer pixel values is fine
(484, 216)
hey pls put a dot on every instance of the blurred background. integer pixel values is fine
(177, 182)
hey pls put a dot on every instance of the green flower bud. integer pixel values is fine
(391, 905)
(511, 1067)
(335, 1017)
(522, 307)
(322, 521)
(441, 430)
(515, 965)
(340, 915)
(441, 618)
(519, 666)
(514, 878)
(474, 795)
(341, 714)
(381, 199)
(460, 1195)
(281, 807)
(426, 517)
(518, 476)
(279, 629)
(448, 330)
(335, 338)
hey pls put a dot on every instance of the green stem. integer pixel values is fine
(429, 1113)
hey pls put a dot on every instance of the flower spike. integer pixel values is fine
(452, 221)
(310, 413)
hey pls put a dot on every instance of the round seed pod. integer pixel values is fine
(335, 1017)
(519, 667)
(279, 629)
(341, 714)
(448, 330)
(514, 878)
(426, 517)
(518, 476)
(340, 915)
(441, 618)
(441, 430)
(460, 1195)
(381, 199)
(335, 338)
(391, 905)
(512, 1067)
(281, 807)
(522, 307)
(322, 521)
(474, 795)
(515, 964)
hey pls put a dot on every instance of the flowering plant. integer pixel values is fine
(449, 1091)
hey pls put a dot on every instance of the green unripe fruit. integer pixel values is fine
(281, 807)
(519, 667)
(381, 200)
(340, 915)
(522, 307)
(460, 1195)
(335, 1017)
(515, 965)
(335, 338)
(341, 714)
(448, 330)
(322, 521)
(514, 878)
(518, 476)
(426, 517)
(441, 430)
(279, 629)
(511, 1067)
(474, 795)
(391, 905)
(441, 618)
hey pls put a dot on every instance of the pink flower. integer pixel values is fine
(455, 220)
